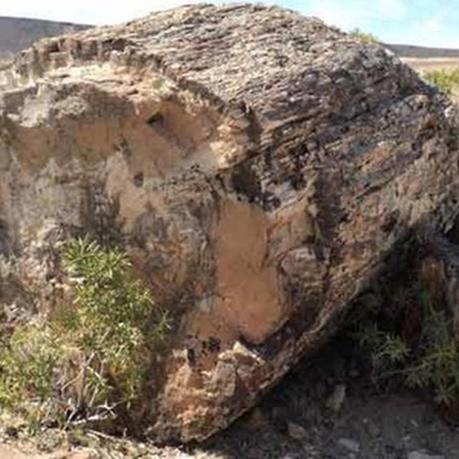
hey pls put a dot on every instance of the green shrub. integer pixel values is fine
(363, 36)
(28, 365)
(430, 362)
(91, 358)
(445, 80)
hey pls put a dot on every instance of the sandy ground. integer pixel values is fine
(422, 65)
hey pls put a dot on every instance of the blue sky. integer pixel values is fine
(424, 22)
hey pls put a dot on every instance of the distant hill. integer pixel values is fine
(423, 51)
(17, 33)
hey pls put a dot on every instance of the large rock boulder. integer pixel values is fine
(258, 166)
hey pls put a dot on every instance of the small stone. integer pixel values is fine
(11, 431)
(336, 399)
(350, 445)
(371, 427)
(296, 431)
(423, 455)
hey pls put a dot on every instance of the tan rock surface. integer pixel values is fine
(258, 166)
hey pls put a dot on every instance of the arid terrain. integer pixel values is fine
(423, 64)
(326, 408)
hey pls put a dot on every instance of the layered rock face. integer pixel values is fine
(258, 167)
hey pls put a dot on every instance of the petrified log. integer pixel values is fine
(257, 165)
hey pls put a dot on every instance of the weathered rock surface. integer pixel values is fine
(258, 166)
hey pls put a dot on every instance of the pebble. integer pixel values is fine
(350, 445)
(336, 399)
(372, 429)
(422, 455)
(296, 431)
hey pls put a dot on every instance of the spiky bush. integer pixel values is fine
(430, 362)
(364, 37)
(445, 80)
(91, 358)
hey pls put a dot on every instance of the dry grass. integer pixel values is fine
(434, 65)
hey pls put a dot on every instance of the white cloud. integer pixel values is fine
(421, 22)
(357, 13)
(432, 31)
(394, 10)
(435, 25)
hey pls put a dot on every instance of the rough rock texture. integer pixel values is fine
(258, 166)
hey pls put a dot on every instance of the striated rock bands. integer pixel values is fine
(258, 166)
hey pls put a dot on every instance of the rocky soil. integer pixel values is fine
(326, 408)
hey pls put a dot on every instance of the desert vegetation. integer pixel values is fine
(446, 80)
(90, 360)
(364, 37)
(415, 348)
